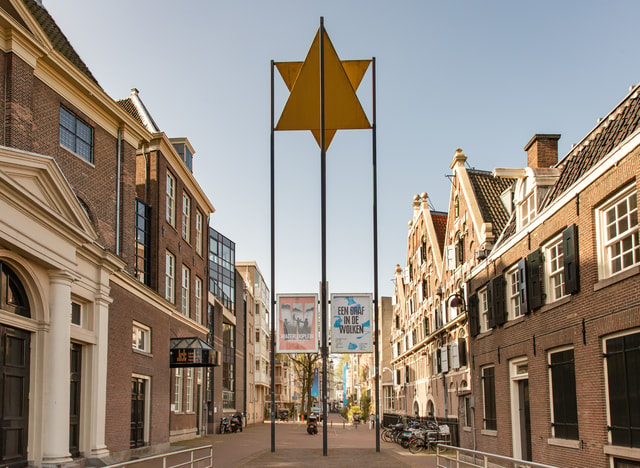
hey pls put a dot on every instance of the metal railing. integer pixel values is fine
(448, 456)
(191, 458)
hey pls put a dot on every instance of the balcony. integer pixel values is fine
(262, 378)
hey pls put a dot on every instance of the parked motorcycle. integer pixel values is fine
(225, 426)
(312, 425)
(236, 424)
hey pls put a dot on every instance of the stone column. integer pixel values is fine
(99, 376)
(57, 371)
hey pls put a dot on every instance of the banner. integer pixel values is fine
(351, 323)
(314, 385)
(297, 323)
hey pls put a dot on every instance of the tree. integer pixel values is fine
(303, 366)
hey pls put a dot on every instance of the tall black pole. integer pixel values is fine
(376, 301)
(273, 277)
(323, 188)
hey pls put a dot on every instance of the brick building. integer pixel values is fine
(554, 312)
(102, 260)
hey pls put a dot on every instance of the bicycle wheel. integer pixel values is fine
(386, 435)
(416, 445)
(443, 448)
(404, 442)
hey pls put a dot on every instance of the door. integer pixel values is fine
(74, 393)
(14, 396)
(138, 404)
(525, 419)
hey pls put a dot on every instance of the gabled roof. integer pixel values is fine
(134, 106)
(439, 219)
(610, 132)
(57, 38)
(487, 190)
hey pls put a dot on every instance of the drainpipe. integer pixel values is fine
(118, 190)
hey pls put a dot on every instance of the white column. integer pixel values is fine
(57, 371)
(99, 377)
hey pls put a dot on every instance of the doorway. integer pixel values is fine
(15, 346)
(74, 395)
(520, 411)
(138, 407)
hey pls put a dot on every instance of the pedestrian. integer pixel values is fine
(372, 420)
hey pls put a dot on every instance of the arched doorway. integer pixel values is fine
(15, 345)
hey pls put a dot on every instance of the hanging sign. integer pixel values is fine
(351, 323)
(297, 323)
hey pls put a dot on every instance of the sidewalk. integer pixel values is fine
(346, 446)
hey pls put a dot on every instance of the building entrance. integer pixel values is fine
(14, 396)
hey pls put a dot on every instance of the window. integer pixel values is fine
(483, 304)
(75, 135)
(186, 290)
(489, 398)
(619, 247)
(76, 314)
(171, 200)
(528, 210)
(198, 295)
(186, 217)
(170, 278)
(190, 390)
(199, 232)
(141, 337)
(513, 293)
(177, 391)
(228, 365)
(554, 256)
(564, 403)
(622, 355)
(143, 242)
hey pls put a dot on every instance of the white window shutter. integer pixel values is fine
(450, 251)
(444, 359)
(405, 275)
(455, 356)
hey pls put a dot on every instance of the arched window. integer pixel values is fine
(13, 296)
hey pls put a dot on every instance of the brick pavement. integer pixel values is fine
(346, 446)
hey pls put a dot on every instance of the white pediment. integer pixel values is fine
(37, 185)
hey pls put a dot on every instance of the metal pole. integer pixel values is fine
(375, 251)
(273, 276)
(323, 185)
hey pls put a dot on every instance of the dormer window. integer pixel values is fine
(527, 209)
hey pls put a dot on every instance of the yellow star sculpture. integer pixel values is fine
(341, 80)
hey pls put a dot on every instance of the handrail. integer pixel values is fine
(477, 459)
(164, 456)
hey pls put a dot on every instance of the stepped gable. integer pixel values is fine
(610, 132)
(487, 191)
(57, 38)
(439, 219)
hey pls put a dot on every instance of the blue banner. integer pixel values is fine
(314, 386)
(344, 384)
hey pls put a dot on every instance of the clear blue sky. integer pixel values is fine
(483, 76)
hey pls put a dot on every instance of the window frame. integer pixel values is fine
(554, 268)
(186, 217)
(170, 199)
(527, 209)
(74, 133)
(189, 379)
(483, 309)
(199, 285)
(144, 331)
(185, 291)
(514, 305)
(178, 390)
(489, 399)
(566, 398)
(613, 389)
(605, 245)
(199, 232)
(170, 277)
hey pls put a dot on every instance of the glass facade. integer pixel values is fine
(222, 259)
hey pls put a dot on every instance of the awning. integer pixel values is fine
(192, 352)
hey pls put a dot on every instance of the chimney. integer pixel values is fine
(542, 150)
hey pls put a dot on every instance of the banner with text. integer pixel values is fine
(297, 323)
(351, 323)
